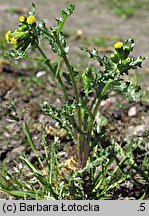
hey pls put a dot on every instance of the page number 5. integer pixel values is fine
(142, 207)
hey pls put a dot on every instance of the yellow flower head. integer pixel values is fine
(31, 20)
(8, 37)
(13, 41)
(118, 45)
(22, 19)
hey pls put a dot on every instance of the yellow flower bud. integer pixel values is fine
(22, 19)
(118, 45)
(13, 41)
(31, 20)
(8, 37)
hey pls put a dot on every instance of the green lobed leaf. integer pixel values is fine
(94, 55)
(88, 80)
(138, 62)
(129, 45)
(33, 11)
(130, 91)
(61, 39)
(56, 115)
(65, 14)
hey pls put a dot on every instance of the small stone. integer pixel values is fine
(42, 119)
(7, 135)
(108, 103)
(57, 102)
(135, 131)
(79, 34)
(132, 111)
(40, 74)
(10, 120)
(139, 130)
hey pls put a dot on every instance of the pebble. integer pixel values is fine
(135, 131)
(139, 129)
(79, 34)
(108, 103)
(7, 134)
(57, 102)
(132, 111)
(40, 74)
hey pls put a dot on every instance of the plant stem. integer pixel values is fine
(65, 60)
(76, 94)
(93, 102)
(90, 128)
(61, 25)
(97, 107)
(68, 67)
(47, 62)
(63, 53)
(91, 123)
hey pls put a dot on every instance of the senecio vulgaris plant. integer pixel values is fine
(79, 115)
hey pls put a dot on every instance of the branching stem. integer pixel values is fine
(70, 69)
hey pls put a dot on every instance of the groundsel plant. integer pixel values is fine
(85, 175)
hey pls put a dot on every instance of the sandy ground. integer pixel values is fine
(90, 16)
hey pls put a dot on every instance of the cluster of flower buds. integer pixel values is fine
(122, 51)
(24, 35)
